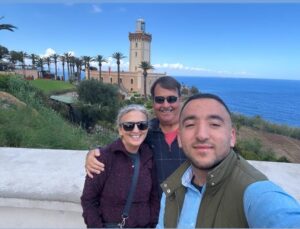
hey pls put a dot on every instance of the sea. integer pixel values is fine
(276, 101)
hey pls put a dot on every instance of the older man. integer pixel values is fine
(162, 134)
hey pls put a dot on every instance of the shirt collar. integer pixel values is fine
(186, 180)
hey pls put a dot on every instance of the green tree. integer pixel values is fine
(34, 59)
(22, 57)
(145, 66)
(7, 26)
(55, 58)
(72, 65)
(100, 59)
(194, 90)
(87, 60)
(3, 52)
(63, 61)
(98, 102)
(13, 57)
(48, 61)
(40, 63)
(78, 63)
(67, 60)
(118, 56)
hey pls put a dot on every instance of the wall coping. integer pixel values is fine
(57, 177)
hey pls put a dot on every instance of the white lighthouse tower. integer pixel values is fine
(140, 46)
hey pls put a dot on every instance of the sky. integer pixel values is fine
(224, 39)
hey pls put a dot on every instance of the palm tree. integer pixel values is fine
(118, 56)
(48, 61)
(78, 63)
(3, 52)
(72, 65)
(55, 58)
(13, 58)
(67, 59)
(87, 60)
(7, 26)
(100, 59)
(145, 66)
(40, 63)
(33, 58)
(63, 61)
(22, 56)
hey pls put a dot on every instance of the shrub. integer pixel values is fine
(252, 149)
(37, 126)
(97, 102)
(4, 79)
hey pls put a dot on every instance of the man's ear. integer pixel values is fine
(233, 138)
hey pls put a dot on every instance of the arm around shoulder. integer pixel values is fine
(92, 165)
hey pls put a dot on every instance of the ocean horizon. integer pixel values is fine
(274, 100)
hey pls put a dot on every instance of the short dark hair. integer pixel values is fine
(166, 82)
(205, 96)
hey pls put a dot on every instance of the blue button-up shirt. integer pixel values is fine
(265, 205)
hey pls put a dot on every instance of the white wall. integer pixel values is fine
(41, 188)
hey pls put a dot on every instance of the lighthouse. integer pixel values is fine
(140, 46)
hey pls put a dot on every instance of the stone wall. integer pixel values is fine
(41, 188)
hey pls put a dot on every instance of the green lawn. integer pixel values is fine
(49, 86)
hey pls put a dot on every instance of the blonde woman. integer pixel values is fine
(115, 198)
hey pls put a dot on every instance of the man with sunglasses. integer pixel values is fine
(162, 134)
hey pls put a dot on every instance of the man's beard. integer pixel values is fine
(205, 167)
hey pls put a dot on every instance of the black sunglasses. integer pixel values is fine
(161, 99)
(129, 126)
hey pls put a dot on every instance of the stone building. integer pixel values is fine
(140, 50)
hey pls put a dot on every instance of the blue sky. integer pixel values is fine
(188, 39)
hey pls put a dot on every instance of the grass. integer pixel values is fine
(38, 126)
(52, 86)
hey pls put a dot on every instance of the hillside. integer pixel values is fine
(281, 145)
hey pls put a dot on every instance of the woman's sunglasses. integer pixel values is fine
(129, 126)
(161, 99)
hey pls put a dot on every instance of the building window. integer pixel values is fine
(135, 54)
(135, 68)
(136, 44)
(131, 81)
(120, 80)
(111, 80)
(131, 89)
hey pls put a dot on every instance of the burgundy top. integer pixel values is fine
(104, 197)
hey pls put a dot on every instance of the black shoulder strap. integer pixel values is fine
(132, 190)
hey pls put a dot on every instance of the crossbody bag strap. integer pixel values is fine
(131, 191)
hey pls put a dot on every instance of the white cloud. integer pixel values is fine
(96, 9)
(48, 52)
(180, 69)
(111, 62)
(72, 53)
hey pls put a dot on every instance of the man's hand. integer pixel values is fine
(92, 165)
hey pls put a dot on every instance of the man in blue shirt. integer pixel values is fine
(215, 187)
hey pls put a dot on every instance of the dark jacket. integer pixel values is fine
(167, 158)
(105, 195)
(222, 203)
